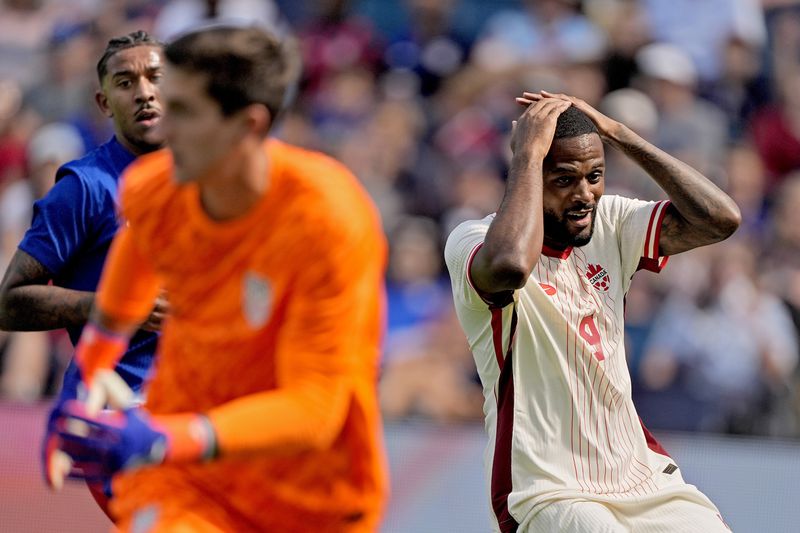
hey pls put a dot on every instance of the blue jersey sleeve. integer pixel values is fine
(61, 223)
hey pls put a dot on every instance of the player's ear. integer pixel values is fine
(258, 119)
(102, 103)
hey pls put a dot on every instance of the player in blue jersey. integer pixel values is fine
(50, 281)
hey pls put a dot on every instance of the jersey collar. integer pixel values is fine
(557, 254)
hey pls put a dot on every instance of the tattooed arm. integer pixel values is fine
(699, 213)
(28, 303)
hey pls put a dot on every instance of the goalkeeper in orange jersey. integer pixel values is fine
(261, 414)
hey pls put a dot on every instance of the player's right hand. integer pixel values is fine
(101, 445)
(606, 127)
(108, 391)
(55, 463)
(532, 133)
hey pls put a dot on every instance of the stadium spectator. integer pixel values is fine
(693, 129)
(774, 129)
(723, 346)
(26, 361)
(336, 40)
(179, 16)
(427, 369)
(539, 32)
(702, 30)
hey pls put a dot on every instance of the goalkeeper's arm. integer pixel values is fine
(124, 300)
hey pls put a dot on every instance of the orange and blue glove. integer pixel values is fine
(96, 355)
(109, 442)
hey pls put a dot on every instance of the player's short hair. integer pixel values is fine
(117, 44)
(572, 123)
(242, 66)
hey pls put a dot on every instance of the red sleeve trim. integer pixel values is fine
(501, 299)
(469, 266)
(651, 260)
(480, 293)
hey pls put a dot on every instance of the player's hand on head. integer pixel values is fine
(532, 133)
(606, 126)
(160, 311)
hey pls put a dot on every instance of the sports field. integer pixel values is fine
(437, 479)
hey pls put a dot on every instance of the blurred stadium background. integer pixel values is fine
(416, 97)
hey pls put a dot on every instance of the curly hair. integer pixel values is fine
(131, 40)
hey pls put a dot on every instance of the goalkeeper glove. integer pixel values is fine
(101, 445)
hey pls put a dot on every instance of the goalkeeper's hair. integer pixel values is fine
(572, 123)
(241, 65)
(117, 44)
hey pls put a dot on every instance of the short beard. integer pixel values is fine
(555, 231)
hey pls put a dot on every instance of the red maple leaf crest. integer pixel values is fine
(598, 277)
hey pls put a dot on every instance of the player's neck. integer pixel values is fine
(554, 245)
(239, 185)
(136, 149)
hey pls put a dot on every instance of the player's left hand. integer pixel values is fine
(606, 127)
(101, 445)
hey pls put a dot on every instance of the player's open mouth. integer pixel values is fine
(580, 217)
(148, 117)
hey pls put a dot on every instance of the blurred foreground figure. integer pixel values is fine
(262, 414)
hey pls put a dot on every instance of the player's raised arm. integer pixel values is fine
(514, 239)
(699, 214)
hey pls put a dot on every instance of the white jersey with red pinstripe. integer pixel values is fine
(557, 389)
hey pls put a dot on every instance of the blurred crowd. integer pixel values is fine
(417, 98)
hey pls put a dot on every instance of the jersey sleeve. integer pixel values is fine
(62, 222)
(638, 229)
(328, 344)
(461, 247)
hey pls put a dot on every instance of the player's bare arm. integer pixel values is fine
(514, 240)
(699, 214)
(28, 303)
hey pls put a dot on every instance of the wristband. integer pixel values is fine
(98, 349)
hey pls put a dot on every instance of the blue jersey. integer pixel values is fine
(70, 235)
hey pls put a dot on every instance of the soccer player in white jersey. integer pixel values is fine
(539, 289)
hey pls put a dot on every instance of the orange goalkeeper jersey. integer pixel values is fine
(274, 333)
